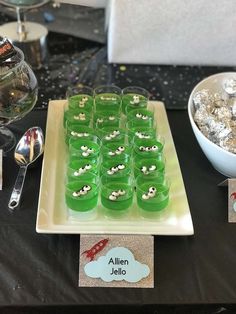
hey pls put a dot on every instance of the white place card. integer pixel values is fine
(232, 200)
(116, 261)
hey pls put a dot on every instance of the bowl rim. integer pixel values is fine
(190, 104)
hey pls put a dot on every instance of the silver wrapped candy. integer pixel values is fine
(215, 115)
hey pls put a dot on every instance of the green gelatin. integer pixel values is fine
(84, 149)
(141, 115)
(82, 170)
(75, 131)
(81, 101)
(156, 203)
(106, 119)
(79, 202)
(149, 166)
(115, 151)
(113, 134)
(116, 170)
(113, 200)
(144, 133)
(133, 101)
(108, 102)
(78, 116)
(149, 148)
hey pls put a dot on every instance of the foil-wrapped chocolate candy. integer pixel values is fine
(215, 115)
(229, 86)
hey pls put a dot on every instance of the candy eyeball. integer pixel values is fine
(154, 147)
(108, 137)
(84, 148)
(112, 197)
(111, 153)
(85, 98)
(152, 189)
(111, 118)
(142, 148)
(138, 115)
(110, 172)
(75, 194)
(143, 168)
(145, 197)
(85, 154)
(114, 168)
(88, 166)
(121, 148)
(152, 168)
(85, 134)
(87, 187)
(90, 150)
(115, 193)
(99, 120)
(121, 192)
(116, 132)
(121, 167)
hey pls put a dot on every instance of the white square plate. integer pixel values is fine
(52, 216)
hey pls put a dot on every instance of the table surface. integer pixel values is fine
(41, 269)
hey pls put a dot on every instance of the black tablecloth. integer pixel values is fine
(41, 269)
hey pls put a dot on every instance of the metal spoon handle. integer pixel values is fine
(16, 193)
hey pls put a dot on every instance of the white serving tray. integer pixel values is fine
(52, 216)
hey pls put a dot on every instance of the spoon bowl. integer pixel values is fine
(27, 151)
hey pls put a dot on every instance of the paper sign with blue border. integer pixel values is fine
(116, 261)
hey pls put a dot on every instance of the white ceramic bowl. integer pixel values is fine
(222, 160)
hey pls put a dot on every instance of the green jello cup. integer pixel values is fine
(107, 98)
(149, 166)
(149, 148)
(77, 116)
(139, 122)
(84, 149)
(143, 133)
(152, 193)
(75, 131)
(134, 97)
(116, 197)
(115, 151)
(106, 119)
(81, 196)
(82, 170)
(80, 98)
(116, 170)
(140, 114)
(113, 134)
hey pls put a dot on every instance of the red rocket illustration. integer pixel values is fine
(233, 196)
(99, 246)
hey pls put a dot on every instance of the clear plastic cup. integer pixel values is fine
(116, 170)
(113, 134)
(106, 119)
(143, 133)
(152, 193)
(116, 196)
(75, 131)
(82, 170)
(148, 148)
(81, 198)
(107, 98)
(115, 151)
(134, 97)
(84, 149)
(78, 116)
(149, 166)
(80, 98)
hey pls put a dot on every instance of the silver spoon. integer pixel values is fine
(28, 149)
